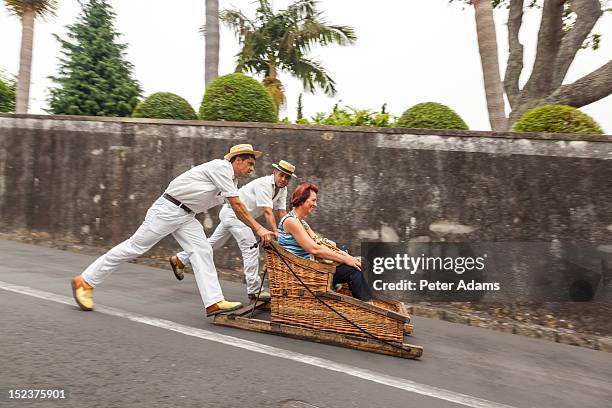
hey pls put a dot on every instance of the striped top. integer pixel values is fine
(286, 240)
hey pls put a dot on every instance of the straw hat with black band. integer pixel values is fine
(285, 167)
(241, 149)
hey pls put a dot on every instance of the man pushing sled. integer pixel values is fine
(195, 191)
(261, 197)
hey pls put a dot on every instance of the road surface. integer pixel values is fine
(147, 344)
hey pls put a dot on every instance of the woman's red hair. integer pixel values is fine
(301, 193)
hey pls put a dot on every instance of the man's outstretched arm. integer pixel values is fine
(243, 215)
(270, 221)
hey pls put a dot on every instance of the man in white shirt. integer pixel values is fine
(194, 191)
(261, 196)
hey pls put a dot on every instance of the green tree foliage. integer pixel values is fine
(350, 116)
(557, 119)
(8, 89)
(431, 115)
(94, 77)
(273, 42)
(164, 105)
(239, 98)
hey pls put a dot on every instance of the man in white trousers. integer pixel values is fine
(196, 190)
(261, 196)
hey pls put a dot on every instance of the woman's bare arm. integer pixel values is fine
(297, 230)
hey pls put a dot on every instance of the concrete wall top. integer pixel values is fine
(316, 128)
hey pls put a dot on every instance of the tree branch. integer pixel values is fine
(588, 89)
(549, 40)
(588, 12)
(515, 57)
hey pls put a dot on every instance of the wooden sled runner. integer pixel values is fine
(311, 310)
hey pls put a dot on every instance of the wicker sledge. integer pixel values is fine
(304, 305)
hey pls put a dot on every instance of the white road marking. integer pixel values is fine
(368, 375)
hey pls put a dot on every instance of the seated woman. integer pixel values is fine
(295, 236)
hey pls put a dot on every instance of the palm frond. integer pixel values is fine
(313, 75)
(264, 10)
(302, 9)
(252, 65)
(303, 34)
(41, 8)
(238, 22)
(313, 32)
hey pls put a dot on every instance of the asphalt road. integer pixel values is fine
(147, 344)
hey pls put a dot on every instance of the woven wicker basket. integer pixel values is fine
(295, 305)
(318, 277)
(389, 304)
(307, 311)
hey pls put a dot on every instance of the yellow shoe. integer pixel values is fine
(83, 293)
(222, 307)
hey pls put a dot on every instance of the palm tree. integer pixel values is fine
(27, 10)
(280, 42)
(211, 34)
(487, 45)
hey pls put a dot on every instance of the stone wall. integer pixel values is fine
(92, 179)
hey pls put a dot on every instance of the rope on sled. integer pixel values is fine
(334, 310)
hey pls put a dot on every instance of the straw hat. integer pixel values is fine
(285, 167)
(242, 149)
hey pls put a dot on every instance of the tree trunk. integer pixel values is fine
(25, 61)
(520, 109)
(211, 56)
(274, 87)
(487, 45)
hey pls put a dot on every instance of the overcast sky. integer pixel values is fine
(407, 52)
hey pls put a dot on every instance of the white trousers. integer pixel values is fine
(232, 226)
(162, 219)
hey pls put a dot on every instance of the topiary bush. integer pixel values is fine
(431, 115)
(164, 105)
(557, 119)
(239, 98)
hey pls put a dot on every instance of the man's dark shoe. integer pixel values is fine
(263, 296)
(177, 267)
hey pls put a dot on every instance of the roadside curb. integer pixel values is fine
(564, 336)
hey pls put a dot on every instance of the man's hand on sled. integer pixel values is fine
(265, 235)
